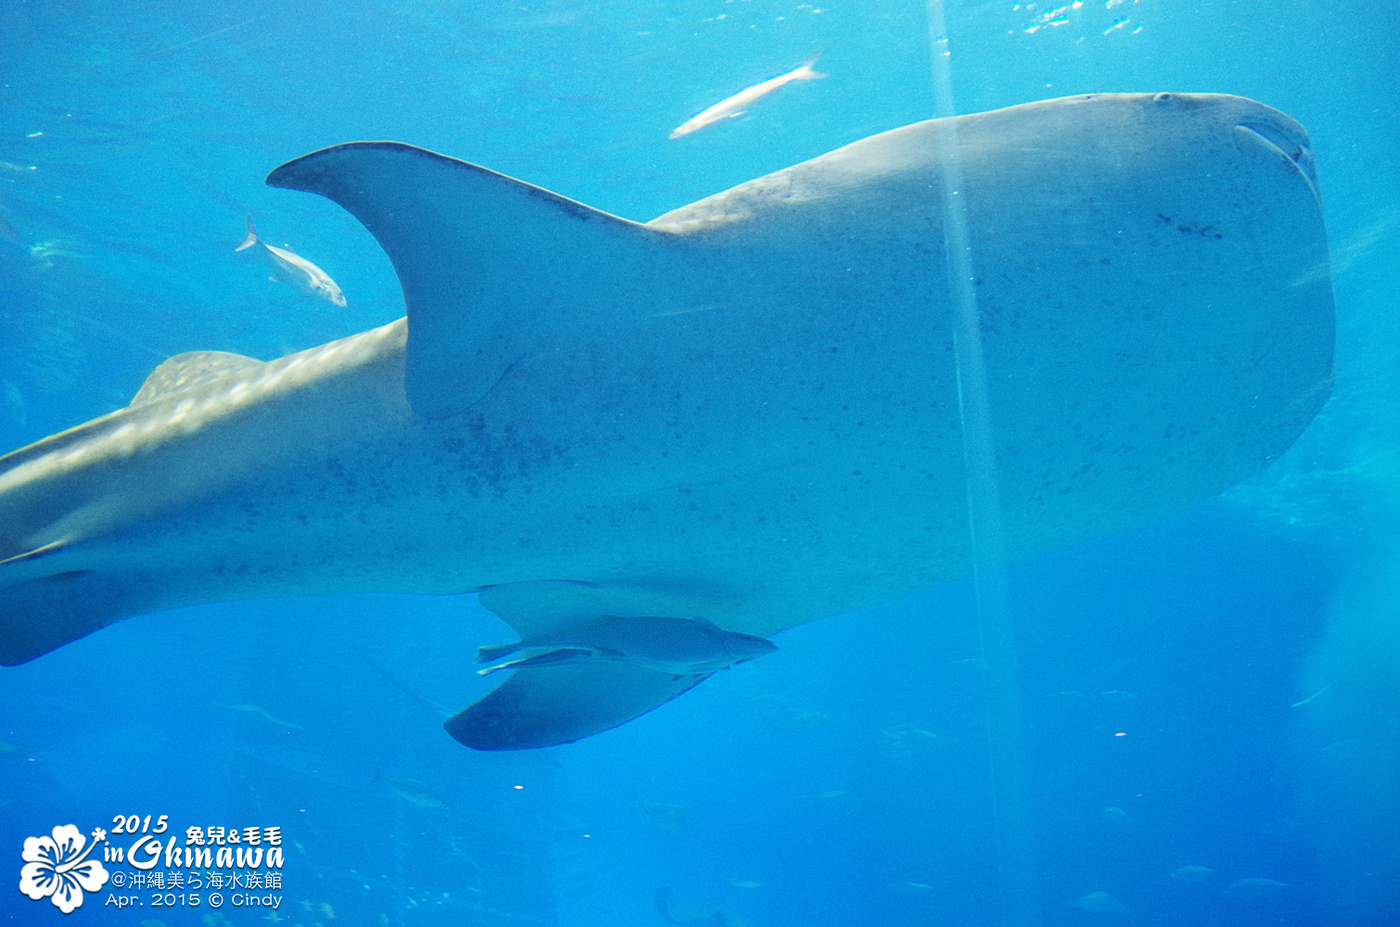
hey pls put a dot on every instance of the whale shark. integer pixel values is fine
(743, 412)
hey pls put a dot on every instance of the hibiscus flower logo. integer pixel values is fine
(57, 867)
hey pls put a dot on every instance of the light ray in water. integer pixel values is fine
(1019, 881)
(172, 49)
(439, 710)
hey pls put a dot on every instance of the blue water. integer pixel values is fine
(842, 781)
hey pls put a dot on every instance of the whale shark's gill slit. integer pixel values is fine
(68, 574)
(581, 583)
(32, 566)
(44, 578)
(1288, 143)
(505, 372)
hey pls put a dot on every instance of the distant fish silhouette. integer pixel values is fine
(665, 905)
(1101, 903)
(1256, 889)
(411, 791)
(1192, 875)
(9, 751)
(1115, 697)
(258, 711)
(665, 815)
(1116, 816)
(12, 401)
(293, 269)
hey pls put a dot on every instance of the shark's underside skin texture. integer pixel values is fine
(744, 411)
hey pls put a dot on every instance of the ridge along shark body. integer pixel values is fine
(743, 411)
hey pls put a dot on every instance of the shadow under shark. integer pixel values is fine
(744, 411)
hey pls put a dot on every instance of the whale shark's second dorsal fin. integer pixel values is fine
(193, 368)
(491, 267)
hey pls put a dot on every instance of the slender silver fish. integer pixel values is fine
(735, 105)
(679, 646)
(291, 268)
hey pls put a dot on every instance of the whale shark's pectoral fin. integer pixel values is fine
(43, 607)
(488, 264)
(546, 706)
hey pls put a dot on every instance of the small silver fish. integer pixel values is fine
(735, 105)
(291, 268)
(258, 711)
(1116, 816)
(1192, 875)
(681, 646)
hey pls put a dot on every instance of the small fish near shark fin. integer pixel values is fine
(251, 238)
(193, 368)
(37, 553)
(548, 658)
(679, 646)
(495, 651)
(559, 704)
(487, 263)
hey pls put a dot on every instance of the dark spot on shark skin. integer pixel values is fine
(489, 461)
(1201, 231)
